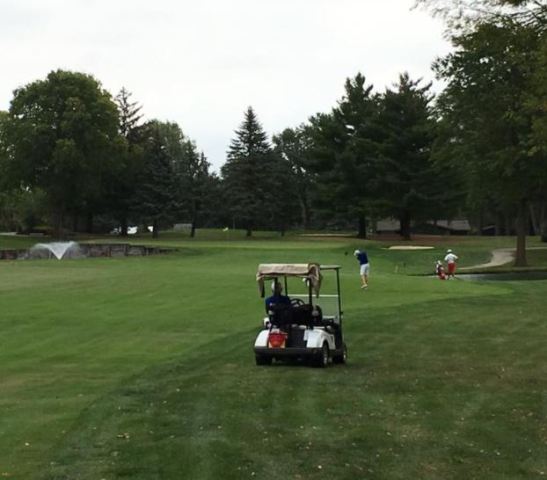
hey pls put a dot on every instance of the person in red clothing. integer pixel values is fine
(451, 259)
(439, 270)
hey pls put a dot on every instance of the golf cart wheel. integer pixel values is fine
(343, 358)
(263, 359)
(322, 359)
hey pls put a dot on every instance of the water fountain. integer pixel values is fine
(61, 250)
(58, 249)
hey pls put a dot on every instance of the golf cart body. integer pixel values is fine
(310, 328)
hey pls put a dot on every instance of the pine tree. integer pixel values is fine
(155, 199)
(129, 113)
(409, 182)
(344, 154)
(248, 176)
(192, 171)
(123, 187)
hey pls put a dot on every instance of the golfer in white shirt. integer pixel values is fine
(451, 259)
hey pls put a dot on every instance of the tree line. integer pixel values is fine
(72, 153)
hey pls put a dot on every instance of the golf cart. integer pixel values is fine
(301, 329)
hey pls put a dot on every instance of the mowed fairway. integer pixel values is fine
(142, 368)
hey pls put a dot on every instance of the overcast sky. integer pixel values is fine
(200, 63)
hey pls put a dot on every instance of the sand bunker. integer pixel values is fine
(410, 247)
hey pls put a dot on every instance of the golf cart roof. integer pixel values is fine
(273, 270)
(310, 271)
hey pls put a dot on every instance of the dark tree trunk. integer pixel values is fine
(534, 220)
(75, 222)
(362, 226)
(155, 229)
(404, 221)
(123, 226)
(89, 223)
(543, 222)
(249, 232)
(196, 206)
(521, 227)
(305, 213)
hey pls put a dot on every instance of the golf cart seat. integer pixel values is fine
(280, 315)
(308, 315)
(285, 315)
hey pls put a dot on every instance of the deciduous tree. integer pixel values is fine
(489, 80)
(62, 136)
(294, 147)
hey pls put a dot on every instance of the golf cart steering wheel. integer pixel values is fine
(296, 302)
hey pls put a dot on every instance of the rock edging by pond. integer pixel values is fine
(91, 250)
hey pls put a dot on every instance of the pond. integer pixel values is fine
(62, 250)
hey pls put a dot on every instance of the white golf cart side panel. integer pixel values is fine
(262, 339)
(316, 337)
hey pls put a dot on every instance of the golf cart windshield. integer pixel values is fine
(307, 271)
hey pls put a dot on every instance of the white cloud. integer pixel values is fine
(202, 63)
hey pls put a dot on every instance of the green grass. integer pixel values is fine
(142, 368)
(19, 241)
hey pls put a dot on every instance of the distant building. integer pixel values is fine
(453, 227)
(431, 227)
(182, 227)
(388, 225)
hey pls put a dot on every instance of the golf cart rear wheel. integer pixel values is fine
(343, 357)
(263, 359)
(322, 359)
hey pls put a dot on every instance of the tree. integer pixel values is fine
(294, 146)
(489, 79)
(192, 171)
(21, 209)
(538, 107)
(4, 152)
(463, 16)
(62, 137)
(129, 113)
(155, 199)
(214, 209)
(409, 184)
(345, 154)
(123, 185)
(248, 176)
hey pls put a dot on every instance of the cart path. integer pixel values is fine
(500, 256)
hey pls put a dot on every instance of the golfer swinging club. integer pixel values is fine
(362, 257)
